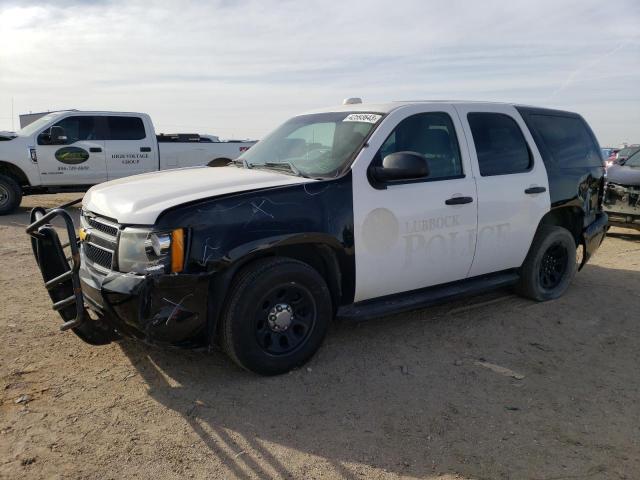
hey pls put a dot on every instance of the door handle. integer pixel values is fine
(458, 200)
(532, 190)
(95, 149)
(145, 149)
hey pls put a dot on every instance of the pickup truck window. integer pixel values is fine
(500, 144)
(77, 129)
(431, 134)
(567, 140)
(125, 128)
(317, 145)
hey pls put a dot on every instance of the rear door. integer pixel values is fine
(512, 184)
(80, 160)
(418, 233)
(130, 146)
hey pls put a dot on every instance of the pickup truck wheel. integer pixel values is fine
(10, 195)
(550, 264)
(276, 316)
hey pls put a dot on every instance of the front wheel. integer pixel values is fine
(550, 264)
(276, 315)
(10, 195)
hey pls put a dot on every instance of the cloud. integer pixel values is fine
(238, 68)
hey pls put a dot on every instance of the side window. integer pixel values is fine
(500, 144)
(125, 128)
(431, 134)
(567, 140)
(78, 129)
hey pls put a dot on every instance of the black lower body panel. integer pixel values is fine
(404, 302)
(592, 237)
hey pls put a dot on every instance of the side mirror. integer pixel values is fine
(57, 135)
(402, 166)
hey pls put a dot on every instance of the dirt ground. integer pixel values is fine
(417, 395)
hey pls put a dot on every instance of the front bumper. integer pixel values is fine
(159, 308)
(169, 309)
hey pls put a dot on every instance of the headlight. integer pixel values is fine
(142, 250)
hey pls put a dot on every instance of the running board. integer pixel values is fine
(404, 302)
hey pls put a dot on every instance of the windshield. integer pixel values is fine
(319, 145)
(36, 125)
(633, 160)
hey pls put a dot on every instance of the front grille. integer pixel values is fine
(99, 224)
(102, 240)
(98, 255)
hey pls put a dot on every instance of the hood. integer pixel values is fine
(623, 175)
(7, 135)
(140, 199)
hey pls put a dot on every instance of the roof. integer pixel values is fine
(388, 107)
(86, 112)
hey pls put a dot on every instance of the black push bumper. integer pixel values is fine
(592, 237)
(160, 308)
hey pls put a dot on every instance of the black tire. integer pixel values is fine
(252, 329)
(550, 264)
(10, 195)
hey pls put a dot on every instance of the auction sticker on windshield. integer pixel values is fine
(363, 117)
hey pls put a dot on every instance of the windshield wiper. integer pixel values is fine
(284, 166)
(241, 162)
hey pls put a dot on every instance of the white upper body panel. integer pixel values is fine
(140, 199)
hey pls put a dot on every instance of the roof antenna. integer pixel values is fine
(352, 101)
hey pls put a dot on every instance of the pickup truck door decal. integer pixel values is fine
(72, 155)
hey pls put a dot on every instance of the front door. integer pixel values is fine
(512, 182)
(421, 233)
(80, 160)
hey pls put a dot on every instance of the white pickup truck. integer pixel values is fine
(71, 150)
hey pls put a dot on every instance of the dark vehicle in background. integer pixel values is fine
(609, 152)
(622, 192)
(609, 155)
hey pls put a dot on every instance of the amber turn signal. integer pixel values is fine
(177, 250)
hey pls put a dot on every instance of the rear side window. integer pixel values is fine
(125, 128)
(431, 134)
(500, 144)
(567, 140)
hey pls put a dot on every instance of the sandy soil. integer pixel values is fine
(416, 395)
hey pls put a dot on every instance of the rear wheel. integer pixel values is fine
(219, 162)
(10, 195)
(550, 264)
(276, 315)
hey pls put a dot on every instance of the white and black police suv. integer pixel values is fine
(354, 212)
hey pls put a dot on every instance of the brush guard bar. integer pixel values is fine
(60, 273)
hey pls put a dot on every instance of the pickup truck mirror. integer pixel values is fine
(402, 166)
(57, 135)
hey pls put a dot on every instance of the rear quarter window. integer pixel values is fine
(500, 144)
(567, 140)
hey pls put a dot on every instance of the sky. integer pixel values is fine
(239, 68)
